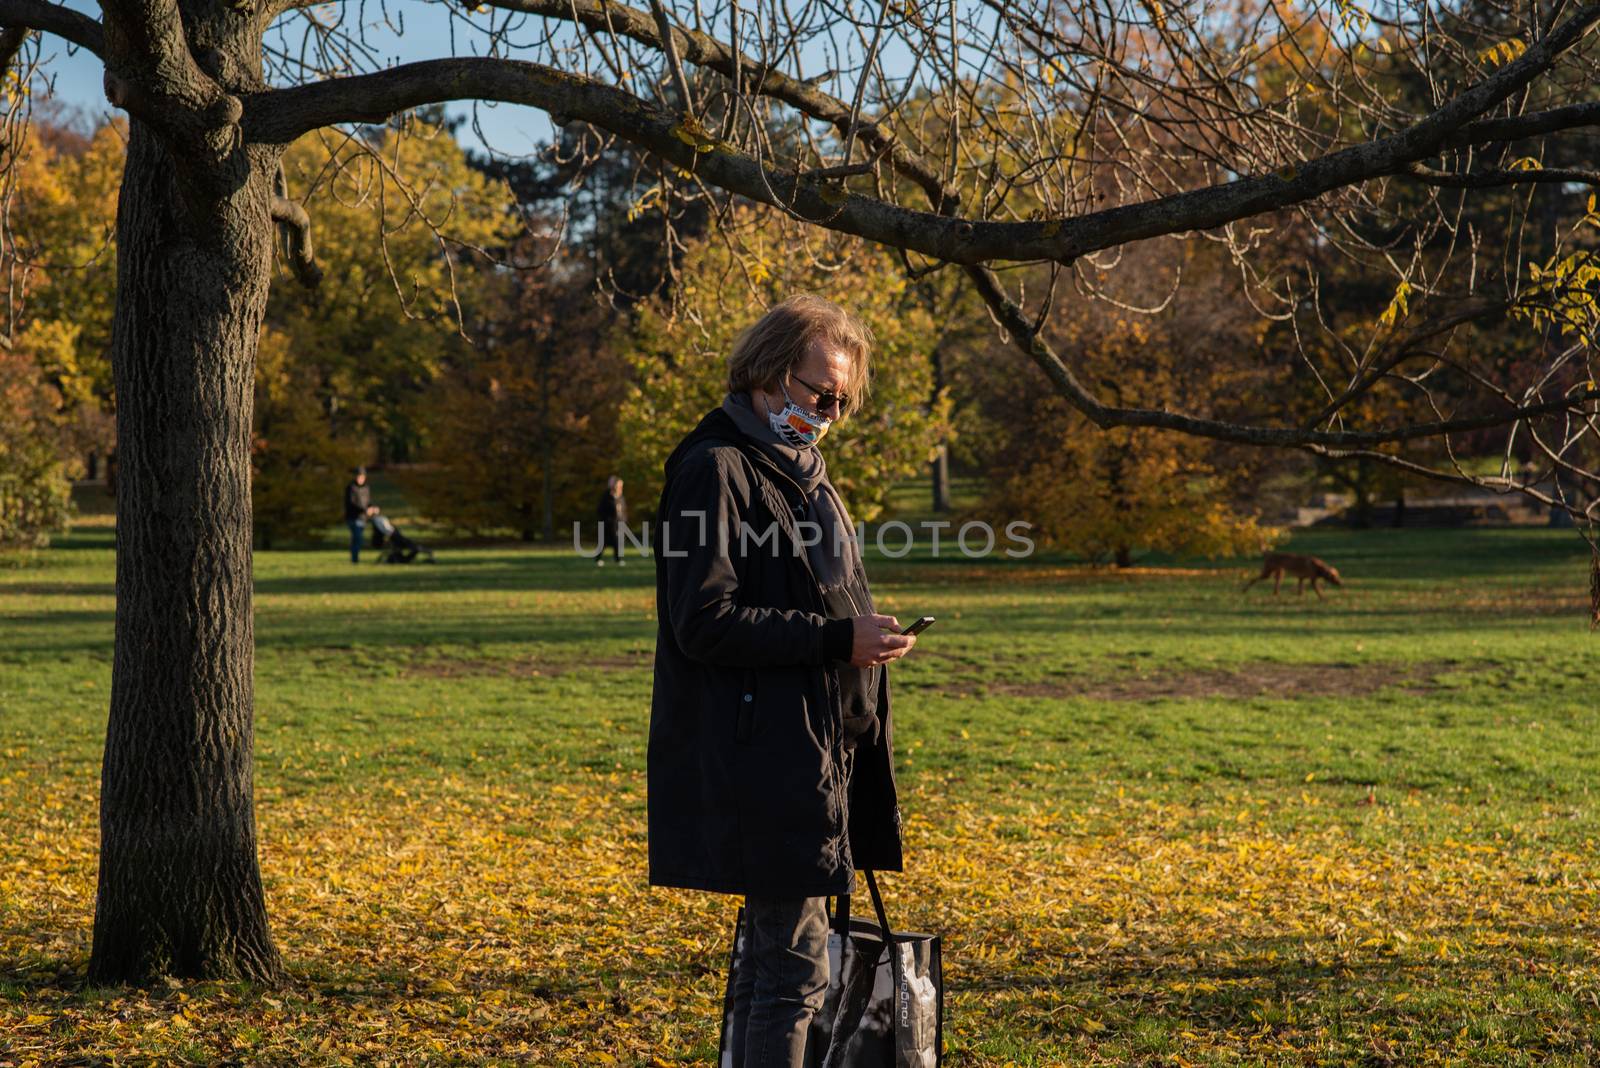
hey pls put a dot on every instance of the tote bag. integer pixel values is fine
(883, 1009)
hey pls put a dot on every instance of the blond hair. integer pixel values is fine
(776, 342)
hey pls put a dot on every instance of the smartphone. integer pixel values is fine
(919, 626)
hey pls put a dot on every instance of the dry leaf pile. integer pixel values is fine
(468, 921)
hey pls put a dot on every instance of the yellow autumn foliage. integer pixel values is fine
(463, 921)
(1111, 493)
(679, 354)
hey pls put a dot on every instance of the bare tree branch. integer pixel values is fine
(1025, 335)
(279, 116)
(64, 22)
(294, 228)
(670, 46)
(1498, 484)
(1402, 348)
(750, 75)
(1500, 177)
(1520, 127)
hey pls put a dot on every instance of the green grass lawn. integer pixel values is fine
(1157, 820)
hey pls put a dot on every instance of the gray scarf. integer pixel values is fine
(835, 557)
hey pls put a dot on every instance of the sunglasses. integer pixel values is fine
(825, 398)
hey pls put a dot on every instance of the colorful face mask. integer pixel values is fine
(795, 425)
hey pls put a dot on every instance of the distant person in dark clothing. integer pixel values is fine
(613, 512)
(357, 506)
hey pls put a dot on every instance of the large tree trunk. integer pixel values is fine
(547, 452)
(1361, 516)
(180, 890)
(941, 461)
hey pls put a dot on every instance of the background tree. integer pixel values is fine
(678, 349)
(298, 463)
(538, 392)
(401, 214)
(35, 491)
(1109, 495)
(57, 252)
(795, 109)
(522, 429)
(54, 372)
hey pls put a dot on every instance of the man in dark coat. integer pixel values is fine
(770, 764)
(357, 507)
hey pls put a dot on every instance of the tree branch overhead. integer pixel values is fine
(64, 22)
(280, 116)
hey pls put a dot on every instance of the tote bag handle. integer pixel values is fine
(841, 913)
(844, 1029)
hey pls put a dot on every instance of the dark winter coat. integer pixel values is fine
(357, 498)
(747, 788)
(612, 509)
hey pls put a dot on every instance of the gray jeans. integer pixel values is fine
(781, 980)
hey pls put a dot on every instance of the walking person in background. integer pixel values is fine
(613, 512)
(357, 507)
(770, 765)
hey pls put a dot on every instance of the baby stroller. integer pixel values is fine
(396, 547)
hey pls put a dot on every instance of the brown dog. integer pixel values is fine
(1304, 568)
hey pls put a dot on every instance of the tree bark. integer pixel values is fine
(547, 454)
(941, 479)
(180, 889)
(941, 461)
(1361, 483)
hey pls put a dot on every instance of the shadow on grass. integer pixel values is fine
(373, 614)
(1267, 984)
(465, 575)
(64, 635)
(60, 589)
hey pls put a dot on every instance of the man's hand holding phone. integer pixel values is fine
(879, 638)
(877, 641)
